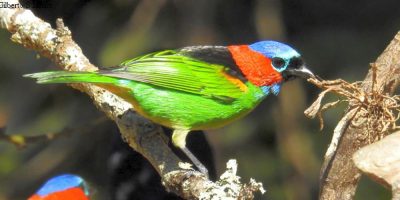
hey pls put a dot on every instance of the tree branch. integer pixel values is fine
(141, 134)
(339, 176)
(381, 162)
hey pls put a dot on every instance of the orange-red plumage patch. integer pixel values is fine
(255, 66)
(236, 81)
(69, 194)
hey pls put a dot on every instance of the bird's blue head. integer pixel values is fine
(284, 59)
(62, 182)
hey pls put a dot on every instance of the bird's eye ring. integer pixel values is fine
(278, 63)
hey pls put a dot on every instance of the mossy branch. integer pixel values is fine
(141, 134)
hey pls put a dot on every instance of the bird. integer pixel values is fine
(63, 187)
(195, 87)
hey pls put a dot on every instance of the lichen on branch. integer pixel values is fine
(142, 135)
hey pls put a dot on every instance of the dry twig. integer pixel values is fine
(381, 111)
(21, 140)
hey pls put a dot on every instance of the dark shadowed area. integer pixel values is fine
(275, 144)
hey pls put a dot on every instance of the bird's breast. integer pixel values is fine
(176, 109)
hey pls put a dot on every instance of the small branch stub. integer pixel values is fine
(227, 187)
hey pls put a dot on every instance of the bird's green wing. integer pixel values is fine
(172, 70)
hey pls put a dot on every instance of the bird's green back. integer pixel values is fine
(172, 89)
(169, 69)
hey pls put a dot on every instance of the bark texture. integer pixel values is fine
(142, 135)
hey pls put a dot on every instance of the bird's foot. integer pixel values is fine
(202, 169)
(195, 161)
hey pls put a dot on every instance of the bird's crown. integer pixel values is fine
(279, 53)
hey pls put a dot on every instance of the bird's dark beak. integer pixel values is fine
(302, 72)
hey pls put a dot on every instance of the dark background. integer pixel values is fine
(275, 144)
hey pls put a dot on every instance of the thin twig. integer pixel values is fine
(22, 141)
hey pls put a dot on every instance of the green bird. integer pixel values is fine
(197, 87)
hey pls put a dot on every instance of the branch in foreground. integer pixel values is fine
(381, 162)
(141, 134)
(371, 115)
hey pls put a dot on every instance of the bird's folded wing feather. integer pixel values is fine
(172, 70)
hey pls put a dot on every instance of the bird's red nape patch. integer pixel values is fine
(255, 66)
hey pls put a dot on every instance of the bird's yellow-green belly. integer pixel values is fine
(180, 110)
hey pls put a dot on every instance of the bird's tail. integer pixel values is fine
(70, 77)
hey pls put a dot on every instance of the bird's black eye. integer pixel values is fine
(278, 63)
